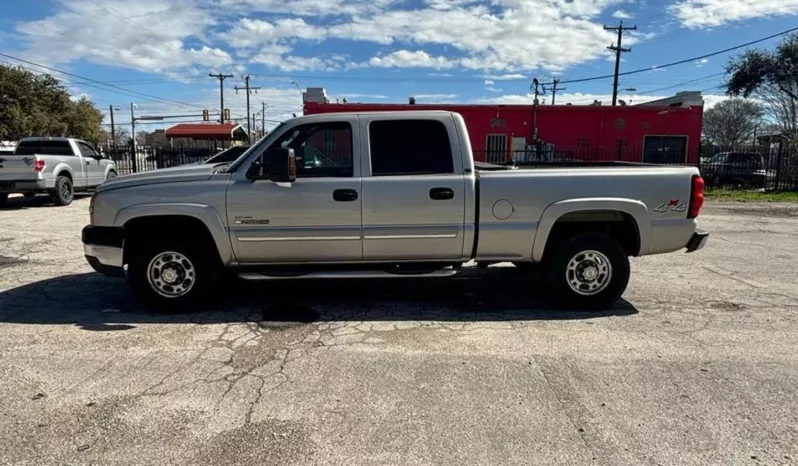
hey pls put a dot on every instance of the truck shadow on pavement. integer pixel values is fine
(95, 302)
(40, 200)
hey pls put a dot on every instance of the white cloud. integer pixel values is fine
(505, 77)
(410, 59)
(252, 32)
(434, 97)
(279, 57)
(620, 14)
(307, 7)
(440, 75)
(489, 82)
(146, 35)
(492, 89)
(507, 38)
(523, 35)
(708, 13)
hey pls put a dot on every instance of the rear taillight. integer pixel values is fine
(696, 197)
(38, 166)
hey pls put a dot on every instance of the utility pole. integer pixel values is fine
(618, 50)
(133, 137)
(221, 78)
(113, 129)
(263, 119)
(554, 89)
(248, 89)
(536, 88)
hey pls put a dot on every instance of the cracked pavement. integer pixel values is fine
(699, 365)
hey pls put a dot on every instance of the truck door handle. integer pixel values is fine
(441, 194)
(345, 195)
(88, 163)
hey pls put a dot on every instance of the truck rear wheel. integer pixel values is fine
(171, 275)
(64, 191)
(589, 271)
(3, 199)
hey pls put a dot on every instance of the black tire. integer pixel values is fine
(64, 191)
(202, 270)
(3, 199)
(605, 294)
(111, 175)
(29, 195)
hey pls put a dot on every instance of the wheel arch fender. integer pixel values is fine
(61, 168)
(637, 210)
(204, 213)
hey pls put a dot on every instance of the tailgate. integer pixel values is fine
(17, 168)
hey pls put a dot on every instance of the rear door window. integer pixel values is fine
(409, 147)
(44, 147)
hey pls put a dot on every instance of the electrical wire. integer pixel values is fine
(89, 80)
(680, 62)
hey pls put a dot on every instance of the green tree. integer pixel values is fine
(772, 77)
(37, 105)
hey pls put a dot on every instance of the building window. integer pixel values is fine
(496, 148)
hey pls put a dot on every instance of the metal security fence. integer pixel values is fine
(148, 158)
(770, 167)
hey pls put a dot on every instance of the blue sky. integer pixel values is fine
(377, 50)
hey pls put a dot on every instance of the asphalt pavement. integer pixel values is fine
(697, 365)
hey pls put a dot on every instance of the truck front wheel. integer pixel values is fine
(589, 271)
(171, 275)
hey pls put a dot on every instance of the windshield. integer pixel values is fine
(258, 146)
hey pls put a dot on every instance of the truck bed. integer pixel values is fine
(484, 166)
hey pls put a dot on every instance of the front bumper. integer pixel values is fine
(698, 241)
(103, 248)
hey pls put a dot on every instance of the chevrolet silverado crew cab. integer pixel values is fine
(385, 195)
(57, 166)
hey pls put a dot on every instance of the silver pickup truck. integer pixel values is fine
(385, 195)
(57, 166)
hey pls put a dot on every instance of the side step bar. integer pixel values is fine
(350, 274)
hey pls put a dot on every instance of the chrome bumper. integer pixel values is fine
(105, 255)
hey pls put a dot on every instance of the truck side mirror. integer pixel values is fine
(278, 165)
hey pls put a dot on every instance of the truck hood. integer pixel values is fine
(163, 175)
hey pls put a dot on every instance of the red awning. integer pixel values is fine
(220, 132)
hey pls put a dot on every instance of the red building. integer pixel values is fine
(665, 131)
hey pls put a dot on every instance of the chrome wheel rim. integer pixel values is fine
(171, 274)
(66, 191)
(588, 273)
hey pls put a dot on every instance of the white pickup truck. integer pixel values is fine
(385, 195)
(57, 166)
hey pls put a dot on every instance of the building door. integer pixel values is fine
(496, 148)
(668, 150)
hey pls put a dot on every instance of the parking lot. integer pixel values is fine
(699, 365)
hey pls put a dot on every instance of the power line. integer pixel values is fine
(680, 62)
(149, 96)
(685, 82)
